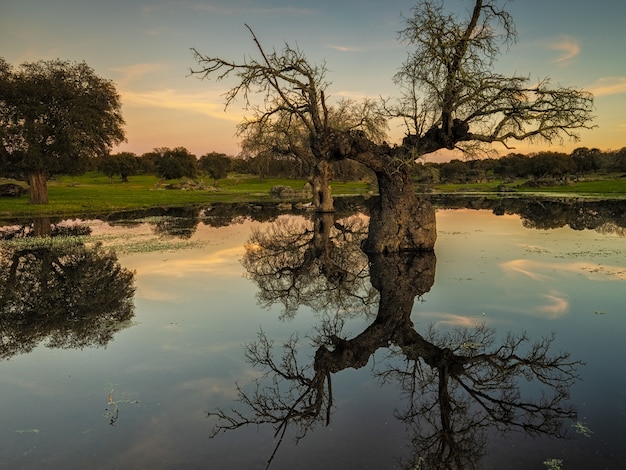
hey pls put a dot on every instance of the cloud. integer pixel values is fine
(557, 305)
(229, 10)
(134, 72)
(452, 319)
(567, 46)
(346, 48)
(534, 269)
(365, 47)
(206, 103)
(606, 86)
(526, 267)
(273, 11)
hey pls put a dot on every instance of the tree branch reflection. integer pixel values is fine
(316, 263)
(459, 385)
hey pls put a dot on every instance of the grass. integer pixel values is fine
(93, 193)
(613, 185)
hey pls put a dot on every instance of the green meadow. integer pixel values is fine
(94, 193)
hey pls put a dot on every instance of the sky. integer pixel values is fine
(144, 47)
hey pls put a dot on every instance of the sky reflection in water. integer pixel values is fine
(195, 309)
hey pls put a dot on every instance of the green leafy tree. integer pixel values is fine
(124, 164)
(148, 162)
(551, 164)
(55, 116)
(513, 165)
(216, 165)
(175, 163)
(620, 159)
(585, 159)
(127, 164)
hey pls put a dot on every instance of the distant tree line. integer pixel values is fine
(547, 165)
(176, 163)
(179, 163)
(166, 163)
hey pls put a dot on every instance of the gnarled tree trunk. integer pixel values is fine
(320, 185)
(38, 187)
(400, 220)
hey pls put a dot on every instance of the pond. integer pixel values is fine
(235, 337)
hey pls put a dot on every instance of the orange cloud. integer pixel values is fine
(134, 72)
(557, 306)
(206, 103)
(593, 271)
(567, 46)
(606, 86)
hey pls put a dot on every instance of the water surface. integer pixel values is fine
(148, 389)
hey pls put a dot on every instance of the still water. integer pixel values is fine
(233, 340)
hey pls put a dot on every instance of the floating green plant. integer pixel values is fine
(582, 429)
(553, 464)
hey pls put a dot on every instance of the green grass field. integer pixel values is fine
(93, 193)
(596, 185)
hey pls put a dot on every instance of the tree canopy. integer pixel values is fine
(173, 163)
(55, 116)
(215, 165)
(453, 97)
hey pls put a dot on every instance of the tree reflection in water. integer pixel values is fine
(458, 384)
(54, 288)
(317, 263)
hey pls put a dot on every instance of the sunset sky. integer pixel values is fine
(144, 47)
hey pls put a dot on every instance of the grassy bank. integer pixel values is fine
(93, 193)
(613, 185)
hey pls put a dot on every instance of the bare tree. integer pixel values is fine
(289, 108)
(451, 98)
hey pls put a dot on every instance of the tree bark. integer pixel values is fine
(38, 187)
(320, 185)
(400, 220)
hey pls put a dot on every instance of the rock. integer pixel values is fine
(281, 191)
(12, 190)
(187, 185)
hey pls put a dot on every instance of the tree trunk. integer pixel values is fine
(320, 185)
(400, 220)
(38, 187)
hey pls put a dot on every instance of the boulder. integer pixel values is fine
(12, 190)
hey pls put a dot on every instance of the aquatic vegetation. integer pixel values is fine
(34, 243)
(113, 407)
(581, 428)
(553, 464)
